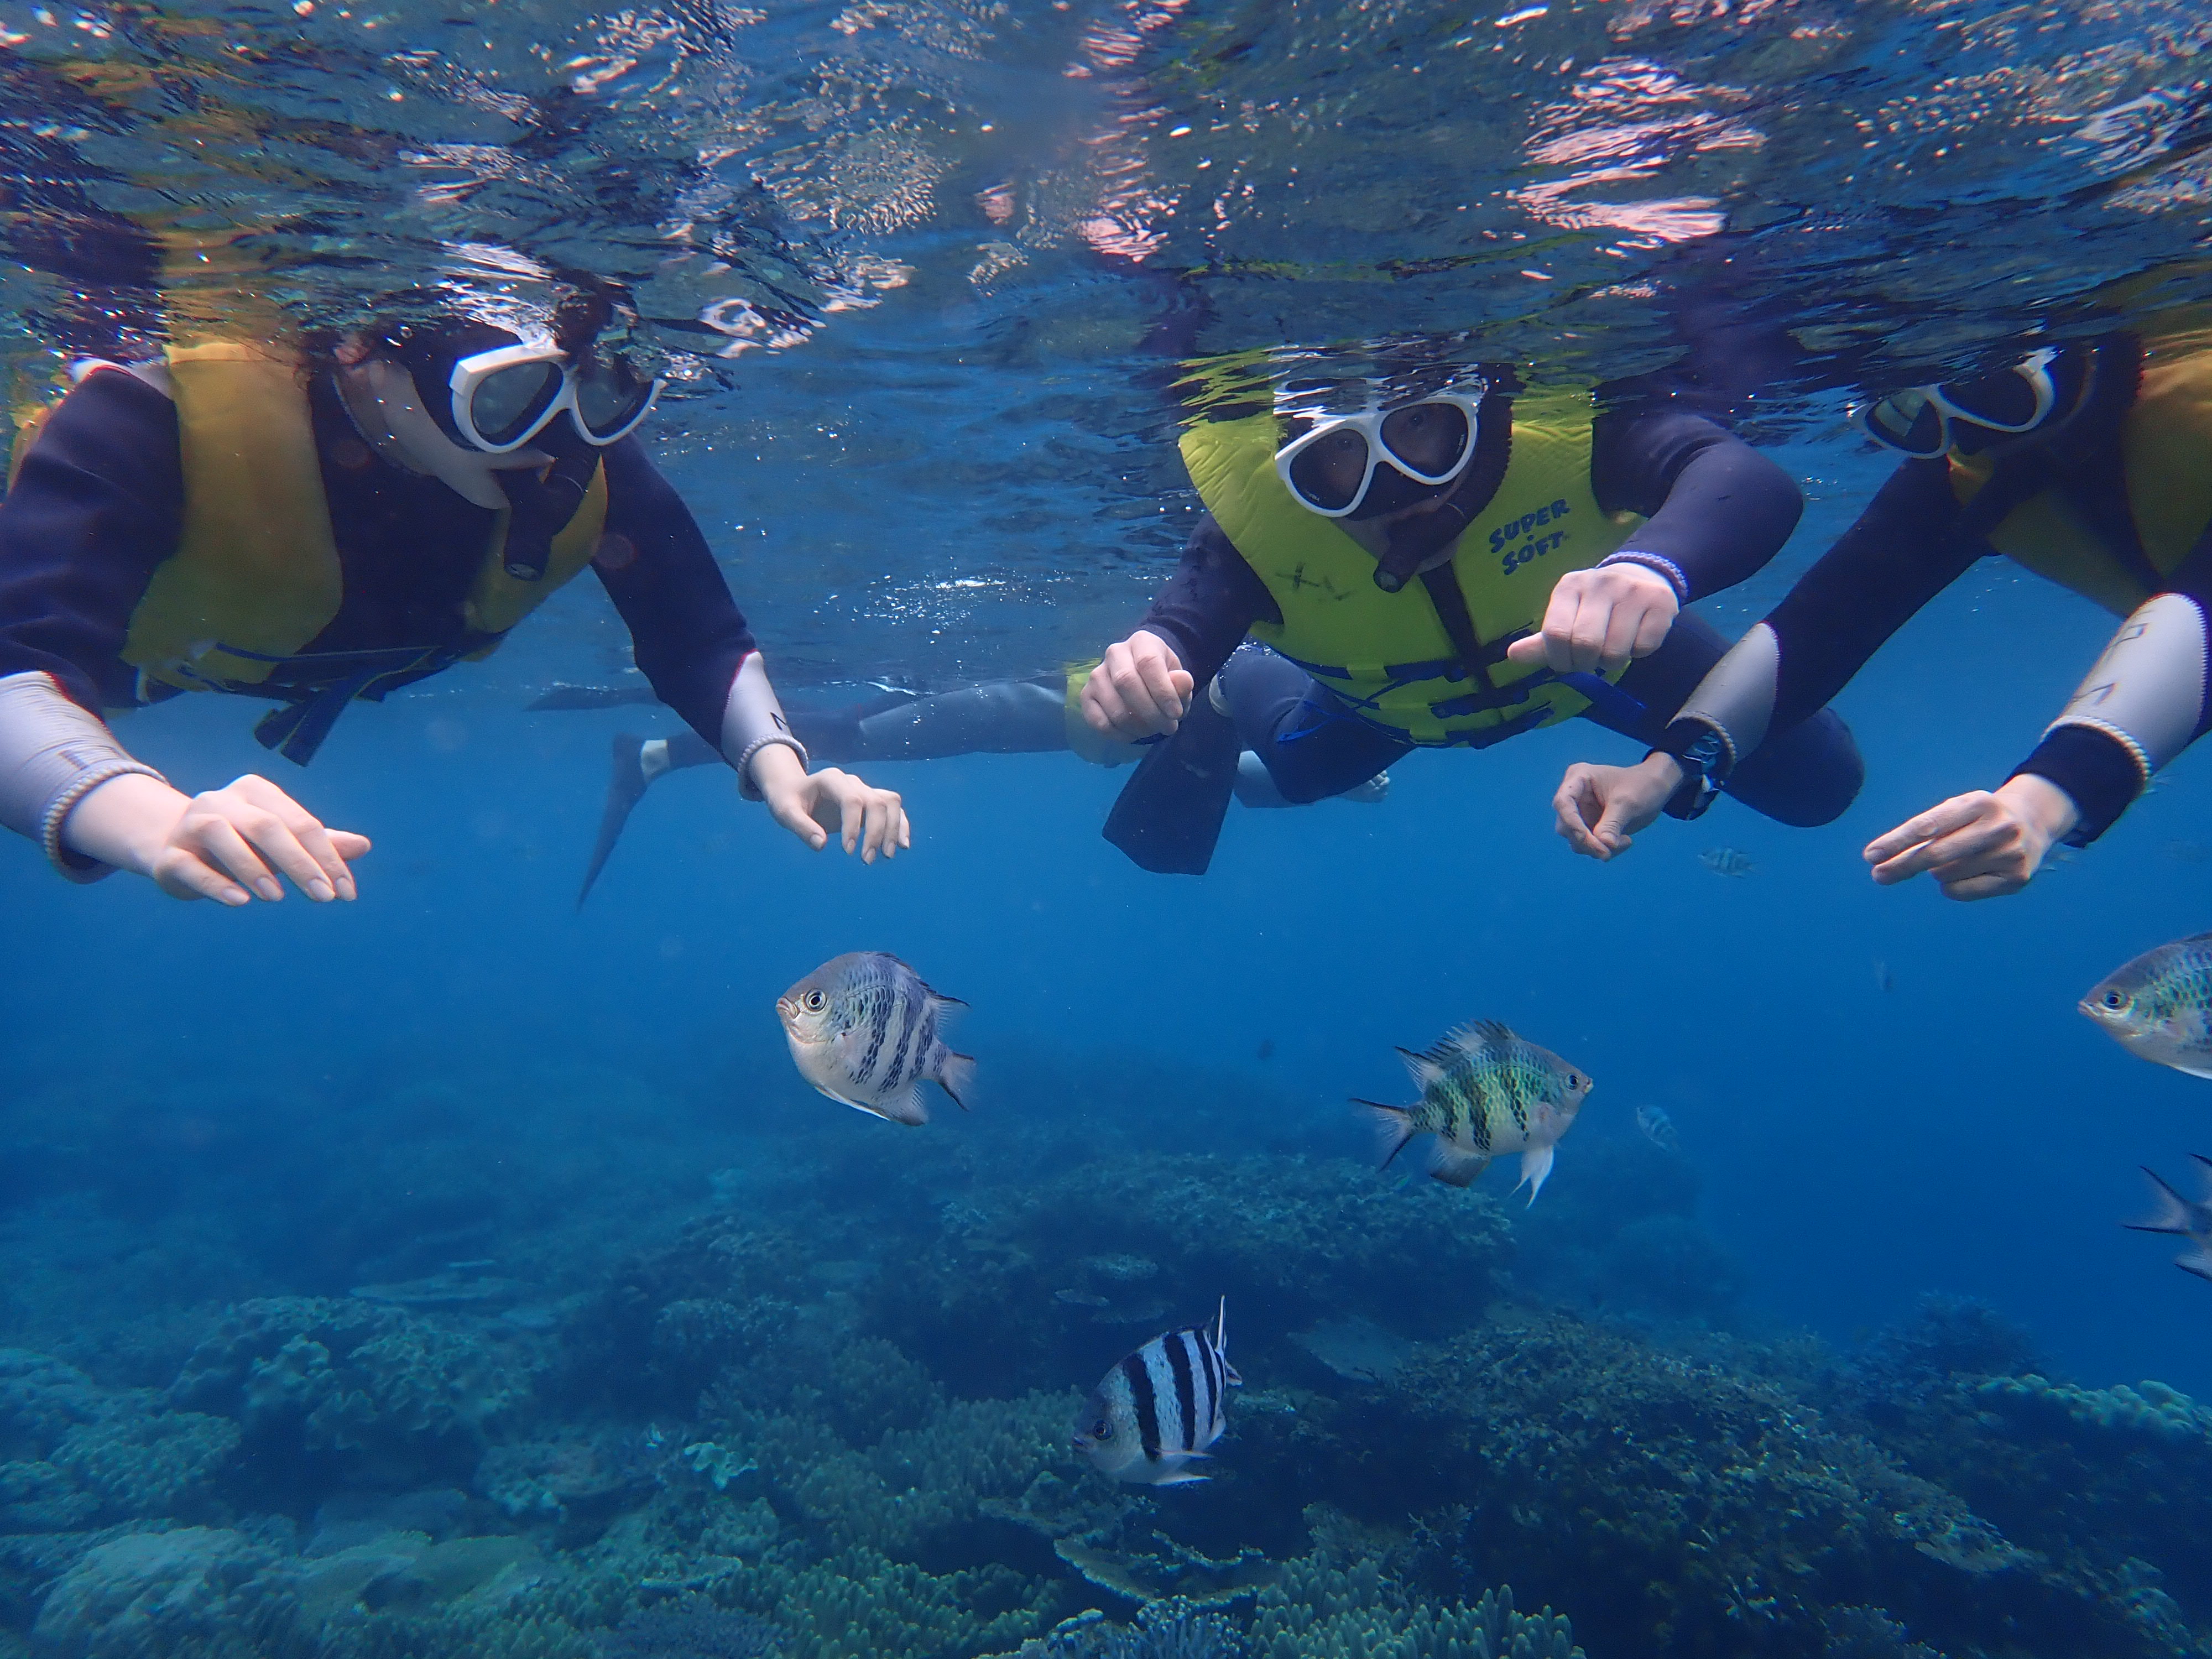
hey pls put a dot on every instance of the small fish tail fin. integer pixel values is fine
(957, 1077)
(1394, 1127)
(1535, 1169)
(1221, 1333)
(2196, 1261)
(626, 787)
(2173, 1210)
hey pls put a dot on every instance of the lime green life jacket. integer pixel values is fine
(1390, 658)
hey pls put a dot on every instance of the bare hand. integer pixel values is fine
(1981, 845)
(813, 805)
(221, 844)
(1141, 689)
(1599, 619)
(1600, 808)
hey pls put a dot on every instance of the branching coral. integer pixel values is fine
(394, 1391)
(859, 1601)
(1323, 1611)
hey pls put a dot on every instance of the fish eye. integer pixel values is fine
(815, 999)
(2114, 1000)
(1101, 1430)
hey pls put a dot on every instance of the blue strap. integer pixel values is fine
(1606, 698)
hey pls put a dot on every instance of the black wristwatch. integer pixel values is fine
(1702, 751)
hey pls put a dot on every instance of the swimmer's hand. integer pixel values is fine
(1978, 846)
(1599, 619)
(227, 844)
(1140, 689)
(811, 804)
(1600, 808)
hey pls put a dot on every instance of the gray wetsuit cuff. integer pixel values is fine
(52, 754)
(752, 719)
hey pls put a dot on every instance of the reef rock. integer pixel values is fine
(151, 1593)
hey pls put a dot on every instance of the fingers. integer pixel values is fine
(1940, 819)
(1139, 689)
(795, 812)
(1985, 886)
(186, 875)
(215, 842)
(877, 825)
(1651, 631)
(1624, 626)
(287, 836)
(1530, 650)
(1971, 843)
(1562, 617)
(869, 821)
(1577, 806)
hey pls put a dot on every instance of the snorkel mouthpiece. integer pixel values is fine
(1419, 543)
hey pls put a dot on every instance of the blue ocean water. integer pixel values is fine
(372, 1276)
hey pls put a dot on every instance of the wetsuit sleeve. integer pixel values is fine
(689, 636)
(98, 504)
(1210, 603)
(2143, 704)
(1715, 508)
(1900, 553)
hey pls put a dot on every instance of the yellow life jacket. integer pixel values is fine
(256, 574)
(2165, 446)
(1389, 657)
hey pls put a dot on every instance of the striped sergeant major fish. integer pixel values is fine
(864, 1029)
(1158, 1409)
(1484, 1093)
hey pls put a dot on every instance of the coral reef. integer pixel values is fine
(377, 1392)
(691, 1633)
(1677, 1505)
(1325, 1611)
(793, 1425)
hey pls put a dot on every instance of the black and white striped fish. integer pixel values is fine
(1158, 1409)
(864, 1029)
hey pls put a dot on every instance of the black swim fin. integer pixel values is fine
(626, 787)
(1168, 816)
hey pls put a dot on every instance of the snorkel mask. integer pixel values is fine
(495, 391)
(2039, 392)
(1357, 453)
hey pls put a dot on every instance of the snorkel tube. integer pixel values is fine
(1423, 539)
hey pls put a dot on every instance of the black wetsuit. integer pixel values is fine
(99, 504)
(1912, 541)
(1715, 510)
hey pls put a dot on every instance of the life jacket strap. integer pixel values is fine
(311, 706)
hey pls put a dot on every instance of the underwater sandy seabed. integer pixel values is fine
(571, 1394)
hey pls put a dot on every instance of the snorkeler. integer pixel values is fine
(2089, 462)
(1040, 715)
(321, 526)
(1440, 560)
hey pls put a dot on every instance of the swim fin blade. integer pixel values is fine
(626, 787)
(1168, 816)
